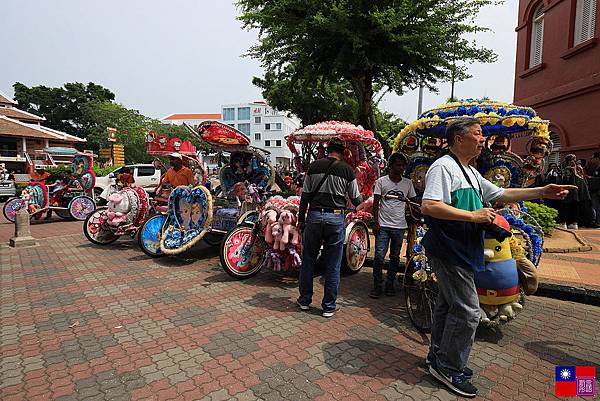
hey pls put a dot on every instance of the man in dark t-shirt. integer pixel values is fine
(325, 222)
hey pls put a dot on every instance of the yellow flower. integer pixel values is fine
(508, 122)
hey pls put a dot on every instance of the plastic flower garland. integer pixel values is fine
(536, 241)
(493, 116)
(423, 271)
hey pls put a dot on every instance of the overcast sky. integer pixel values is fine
(185, 56)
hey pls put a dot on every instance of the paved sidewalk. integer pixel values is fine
(577, 268)
(84, 322)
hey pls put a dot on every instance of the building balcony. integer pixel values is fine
(11, 156)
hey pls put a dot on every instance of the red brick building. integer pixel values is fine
(558, 71)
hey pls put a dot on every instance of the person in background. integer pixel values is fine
(178, 174)
(390, 222)
(593, 172)
(125, 179)
(327, 183)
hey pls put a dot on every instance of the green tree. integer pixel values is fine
(387, 44)
(62, 107)
(388, 126)
(311, 98)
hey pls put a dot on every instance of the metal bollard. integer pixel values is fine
(22, 233)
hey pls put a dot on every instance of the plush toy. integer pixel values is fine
(287, 219)
(277, 232)
(498, 284)
(268, 217)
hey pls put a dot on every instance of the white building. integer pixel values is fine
(266, 127)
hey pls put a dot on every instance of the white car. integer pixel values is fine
(144, 175)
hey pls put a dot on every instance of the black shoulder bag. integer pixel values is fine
(320, 184)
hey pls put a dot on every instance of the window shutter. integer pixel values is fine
(585, 21)
(537, 37)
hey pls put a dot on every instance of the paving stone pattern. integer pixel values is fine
(81, 322)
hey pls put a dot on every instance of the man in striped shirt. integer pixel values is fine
(325, 199)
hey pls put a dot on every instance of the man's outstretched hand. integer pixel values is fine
(555, 191)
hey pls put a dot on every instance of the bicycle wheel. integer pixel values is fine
(149, 235)
(420, 299)
(97, 232)
(242, 252)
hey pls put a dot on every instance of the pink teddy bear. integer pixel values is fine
(287, 219)
(268, 218)
(276, 233)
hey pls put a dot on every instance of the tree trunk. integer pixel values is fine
(363, 89)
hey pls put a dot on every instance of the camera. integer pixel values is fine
(496, 232)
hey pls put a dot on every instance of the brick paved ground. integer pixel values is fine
(580, 268)
(83, 322)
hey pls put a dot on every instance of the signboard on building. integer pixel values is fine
(112, 134)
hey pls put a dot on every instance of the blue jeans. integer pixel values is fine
(456, 315)
(325, 229)
(384, 237)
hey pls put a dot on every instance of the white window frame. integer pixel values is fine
(257, 136)
(537, 36)
(257, 120)
(268, 127)
(267, 143)
(585, 21)
(278, 142)
(229, 109)
(238, 113)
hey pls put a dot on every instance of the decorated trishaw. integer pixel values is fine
(272, 239)
(194, 213)
(128, 208)
(70, 197)
(509, 273)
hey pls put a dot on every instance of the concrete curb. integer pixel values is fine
(569, 292)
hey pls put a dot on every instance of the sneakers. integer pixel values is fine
(376, 292)
(466, 371)
(330, 313)
(459, 384)
(302, 307)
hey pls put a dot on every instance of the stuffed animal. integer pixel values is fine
(277, 232)
(498, 284)
(118, 208)
(287, 220)
(267, 218)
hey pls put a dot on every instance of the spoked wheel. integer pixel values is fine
(11, 207)
(355, 249)
(420, 299)
(242, 252)
(150, 233)
(96, 229)
(81, 207)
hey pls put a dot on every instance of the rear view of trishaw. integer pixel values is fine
(71, 197)
(423, 141)
(194, 213)
(272, 240)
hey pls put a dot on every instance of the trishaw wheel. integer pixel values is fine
(420, 299)
(96, 231)
(355, 249)
(149, 235)
(81, 207)
(11, 207)
(242, 252)
(212, 239)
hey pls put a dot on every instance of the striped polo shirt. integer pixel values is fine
(339, 184)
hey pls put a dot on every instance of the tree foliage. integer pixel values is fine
(389, 44)
(62, 107)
